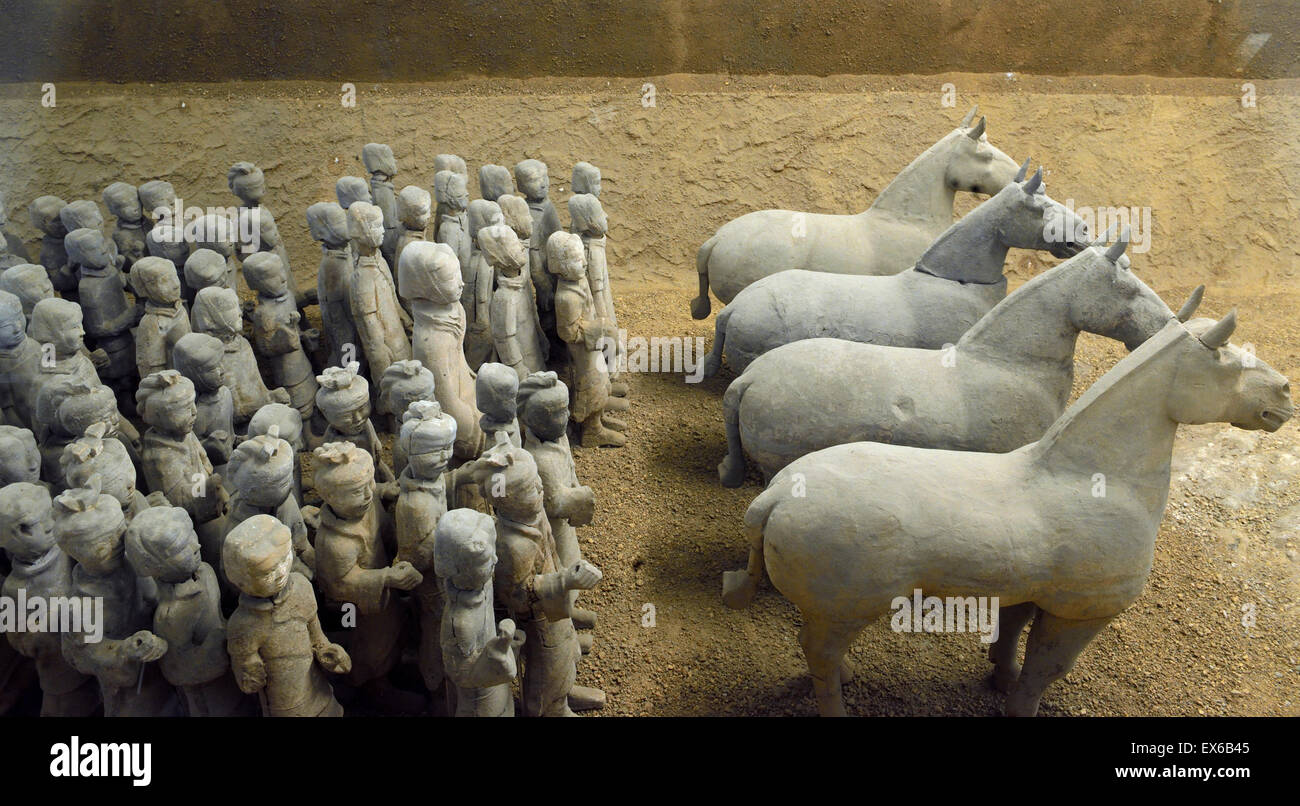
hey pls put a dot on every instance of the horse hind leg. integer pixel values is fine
(824, 644)
(1002, 653)
(731, 470)
(713, 361)
(1054, 644)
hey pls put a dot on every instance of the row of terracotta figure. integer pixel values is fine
(910, 417)
(195, 534)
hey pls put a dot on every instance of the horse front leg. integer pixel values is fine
(1054, 644)
(1006, 666)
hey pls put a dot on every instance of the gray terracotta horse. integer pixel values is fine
(885, 239)
(1003, 383)
(958, 280)
(1062, 531)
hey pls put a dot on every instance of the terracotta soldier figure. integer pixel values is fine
(430, 278)
(165, 319)
(218, 234)
(378, 159)
(532, 584)
(376, 314)
(108, 313)
(453, 220)
(175, 462)
(535, 183)
(477, 294)
(155, 196)
(40, 569)
(161, 544)
(577, 324)
(454, 165)
(414, 207)
(516, 332)
(587, 219)
(289, 427)
(216, 313)
(20, 357)
(495, 181)
(478, 653)
(203, 268)
(20, 457)
(65, 408)
(344, 401)
(543, 402)
(89, 527)
(352, 564)
(29, 283)
(276, 645)
(517, 216)
(427, 437)
(261, 472)
(403, 383)
(277, 339)
(98, 453)
(44, 213)
(586, 179)
(328, 224)
(164, 241)
(495, 391)
(199, 357)
(123, 203)
(248, 183)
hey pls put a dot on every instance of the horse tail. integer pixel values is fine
(731, 472)
(739, 587)
(700, 306)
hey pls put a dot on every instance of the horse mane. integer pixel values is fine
(1130, 366)
(1027, 293)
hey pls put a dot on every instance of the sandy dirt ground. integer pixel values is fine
(1221, 180)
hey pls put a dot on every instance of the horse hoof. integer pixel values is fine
(1003, 681)
(731, 474)
(737, 589)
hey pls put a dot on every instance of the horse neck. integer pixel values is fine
(1031, 326)
(969, 251)
(919, 192)
(1119, 427)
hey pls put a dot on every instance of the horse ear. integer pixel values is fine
(965, 122)
(1189, 307)
(1220, 331)
(977, 132)
(1024, 169)
(1035, 182)
(1117, 249)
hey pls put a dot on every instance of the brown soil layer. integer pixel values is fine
(1221, 181)
(382, 40)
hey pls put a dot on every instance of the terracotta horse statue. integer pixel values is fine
(999, 387)
(1062, 531)
(885, 239)
(958, 280)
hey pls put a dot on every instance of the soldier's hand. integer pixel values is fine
(144, 646)
(252, 675)
(334, 659)
(403, 576)
(581, 576)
